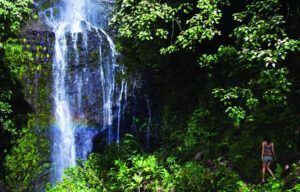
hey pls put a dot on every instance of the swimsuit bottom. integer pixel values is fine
(267, 159)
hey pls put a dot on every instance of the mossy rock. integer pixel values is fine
(47, 4)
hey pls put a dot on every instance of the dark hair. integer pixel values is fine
(267, 138)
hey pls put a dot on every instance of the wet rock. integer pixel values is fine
(37, 77)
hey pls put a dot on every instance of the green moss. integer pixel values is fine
(55, 12)
(120, 77)
(48, 13)
(94, 57)
(46, 4)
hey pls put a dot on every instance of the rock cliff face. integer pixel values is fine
(74, 84)
(84, 57)
(83, 70)
(37, 79)
(84, 84)
(102, 99)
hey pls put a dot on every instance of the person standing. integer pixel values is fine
(267, 156)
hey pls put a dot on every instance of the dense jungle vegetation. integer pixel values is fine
(220, 75)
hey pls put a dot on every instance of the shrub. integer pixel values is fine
(84, 177)
(293, 179)
(196, 177)
(140, 173)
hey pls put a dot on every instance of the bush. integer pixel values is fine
(145, 173)
(196, 177)
(293, 179)
(271, 185)
(199, 131)
(140, 173)
(27, 164)
(84, 177)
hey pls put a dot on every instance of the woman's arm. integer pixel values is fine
(273, 151)
(262, 150)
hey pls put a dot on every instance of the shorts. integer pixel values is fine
(267, 159)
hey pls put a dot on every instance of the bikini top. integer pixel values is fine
(268, 150)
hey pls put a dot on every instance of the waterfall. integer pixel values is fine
(120, 109)
(134, 107)
(87, 99)
(148, 124)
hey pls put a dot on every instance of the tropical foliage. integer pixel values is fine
(220, 75)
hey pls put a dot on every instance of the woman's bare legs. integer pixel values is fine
(264, 165)
(269, 169)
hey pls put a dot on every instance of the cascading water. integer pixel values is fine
(87, 99)
(148, 124)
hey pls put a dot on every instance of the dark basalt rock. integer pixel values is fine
(86, 53)
(37, 79)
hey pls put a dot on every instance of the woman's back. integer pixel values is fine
(268, 149)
